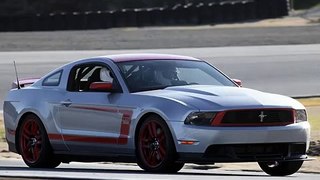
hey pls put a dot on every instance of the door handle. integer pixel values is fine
(66, 103)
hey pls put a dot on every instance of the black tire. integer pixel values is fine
(283, 168)
(34, 145)
(155, 148)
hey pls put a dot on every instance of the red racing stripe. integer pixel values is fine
(96, 108)
(125, 126)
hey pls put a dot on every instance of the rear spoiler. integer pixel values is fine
(24, 82)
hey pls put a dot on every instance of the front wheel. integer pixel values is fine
(283, 168)
(155, 147)
(34, 144)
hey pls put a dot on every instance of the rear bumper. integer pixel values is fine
(248, 153)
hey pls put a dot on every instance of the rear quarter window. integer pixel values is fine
(52, 80)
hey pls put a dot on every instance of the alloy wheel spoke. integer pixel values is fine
(27, 132)
(149, 128)
(38, 143)
(149, 156)
(161, 138)
(32, 153)
(144, 141)
(25, 137)
(34, 127)
(36, 151)
(154, 129)
(38, 137)
(159, 155)
(145, 146)
(30, 127)
(26, 149)
(162, 151)
(153, 157)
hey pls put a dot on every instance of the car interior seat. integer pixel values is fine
(95, 77)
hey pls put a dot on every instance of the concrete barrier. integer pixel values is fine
(188, 14)
(217, 13)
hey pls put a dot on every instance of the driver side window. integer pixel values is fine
(82, 76)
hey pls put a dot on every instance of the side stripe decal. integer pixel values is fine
(124, 129)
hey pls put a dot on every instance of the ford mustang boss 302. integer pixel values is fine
(159, 111)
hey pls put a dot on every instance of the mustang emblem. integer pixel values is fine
(262, 116)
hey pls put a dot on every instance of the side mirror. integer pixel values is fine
(101, 86)
(238, 82)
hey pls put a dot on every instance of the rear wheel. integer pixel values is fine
(155, 147)
(34, 144)
(280, 168)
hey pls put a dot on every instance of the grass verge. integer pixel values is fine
(307, 102)
(313, 110)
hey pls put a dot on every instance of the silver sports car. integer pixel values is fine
(160, 111)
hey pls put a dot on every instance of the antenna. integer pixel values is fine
(15, 68)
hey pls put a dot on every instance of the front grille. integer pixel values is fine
(258, 117)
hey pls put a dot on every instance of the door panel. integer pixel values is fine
(90, 121)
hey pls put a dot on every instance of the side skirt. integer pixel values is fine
(67, 157)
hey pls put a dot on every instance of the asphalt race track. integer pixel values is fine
(159, 37)
(292, 70)
(15, 168)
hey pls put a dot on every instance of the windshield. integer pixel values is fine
(159, 74)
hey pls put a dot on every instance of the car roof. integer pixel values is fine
(147, 56)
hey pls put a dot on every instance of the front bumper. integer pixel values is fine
(248, 153)
(232, 140)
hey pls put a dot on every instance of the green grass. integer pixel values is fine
(313, 112)
(314, 120)
(307, 102)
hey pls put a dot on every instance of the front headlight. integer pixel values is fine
(200, 118)
(300, 115)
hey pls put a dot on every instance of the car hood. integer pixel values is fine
(206, 97)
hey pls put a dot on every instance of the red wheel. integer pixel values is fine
(30, 140)
(152, 143)
(155, 147)
(34, 145)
